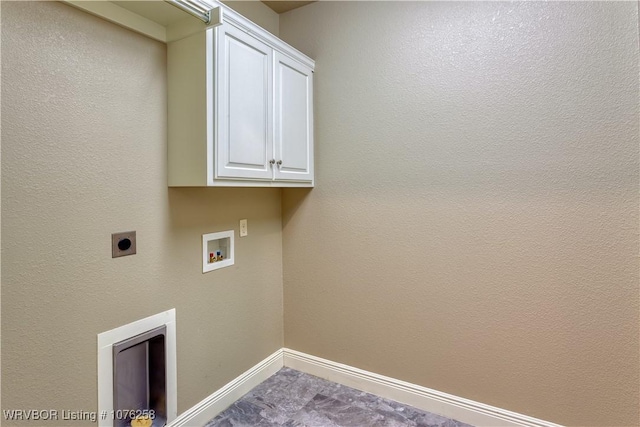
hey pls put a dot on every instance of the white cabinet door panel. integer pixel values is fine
(293, 119)
(245, 143)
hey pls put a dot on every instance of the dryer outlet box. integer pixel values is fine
(123, 244)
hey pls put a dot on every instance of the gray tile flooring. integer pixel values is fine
(293, 399)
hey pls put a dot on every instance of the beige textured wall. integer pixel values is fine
(475, 224)
(84, 155)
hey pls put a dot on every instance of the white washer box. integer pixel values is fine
(221, 246)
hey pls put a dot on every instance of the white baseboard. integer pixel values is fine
(220, 400)
(461, 409)
(450, 406)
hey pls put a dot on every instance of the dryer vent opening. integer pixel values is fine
(139, 378)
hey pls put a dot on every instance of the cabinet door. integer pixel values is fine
(245, 121)
(293, 120)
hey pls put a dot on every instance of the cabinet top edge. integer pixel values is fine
(232, 17)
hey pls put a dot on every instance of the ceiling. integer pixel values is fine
(285, 6)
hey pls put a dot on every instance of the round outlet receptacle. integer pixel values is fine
(124, 244)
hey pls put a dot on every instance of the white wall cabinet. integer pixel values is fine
(245, 97)
(240, 109)
(293, 133)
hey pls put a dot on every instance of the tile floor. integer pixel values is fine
(293, 399)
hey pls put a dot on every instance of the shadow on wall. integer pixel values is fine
(209, 207)
(292, 199)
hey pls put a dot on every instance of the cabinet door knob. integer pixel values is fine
(279, 162)
(272, 161)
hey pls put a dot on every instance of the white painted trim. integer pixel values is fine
(220, 400)
(105, 362)
(448, 405)
(461, 409)
(211, 90)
